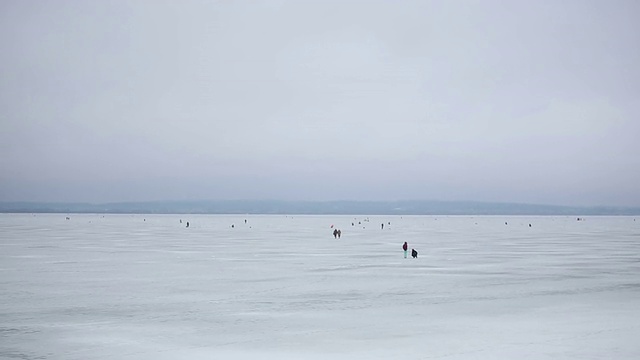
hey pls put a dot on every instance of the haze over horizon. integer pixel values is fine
(518, 102)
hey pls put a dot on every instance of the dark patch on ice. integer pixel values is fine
(10, 354)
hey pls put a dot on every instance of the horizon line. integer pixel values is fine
(486, 202)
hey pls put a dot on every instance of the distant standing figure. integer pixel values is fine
(414, 253)
(187, 224)
(405, 247)
(339, 233)
(335, 233)
(382, 226)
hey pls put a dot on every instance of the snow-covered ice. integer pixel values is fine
(281, 287)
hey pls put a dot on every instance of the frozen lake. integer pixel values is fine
(281, 287)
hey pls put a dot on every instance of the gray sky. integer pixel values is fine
(518, 101)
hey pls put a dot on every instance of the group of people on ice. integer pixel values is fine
(414, 253)
(338, 233)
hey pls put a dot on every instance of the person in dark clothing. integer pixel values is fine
(405, 247)
(414, 253)
(335, 233)
(339, 233)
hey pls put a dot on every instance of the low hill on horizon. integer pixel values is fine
(408, 207)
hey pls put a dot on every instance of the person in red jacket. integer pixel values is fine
(405, 247)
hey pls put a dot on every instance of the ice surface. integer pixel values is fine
(281, 287)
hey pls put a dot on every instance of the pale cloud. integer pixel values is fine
(474, 100)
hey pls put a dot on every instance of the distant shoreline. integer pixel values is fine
(277, 207)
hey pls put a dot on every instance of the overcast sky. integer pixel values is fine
(511, 101)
